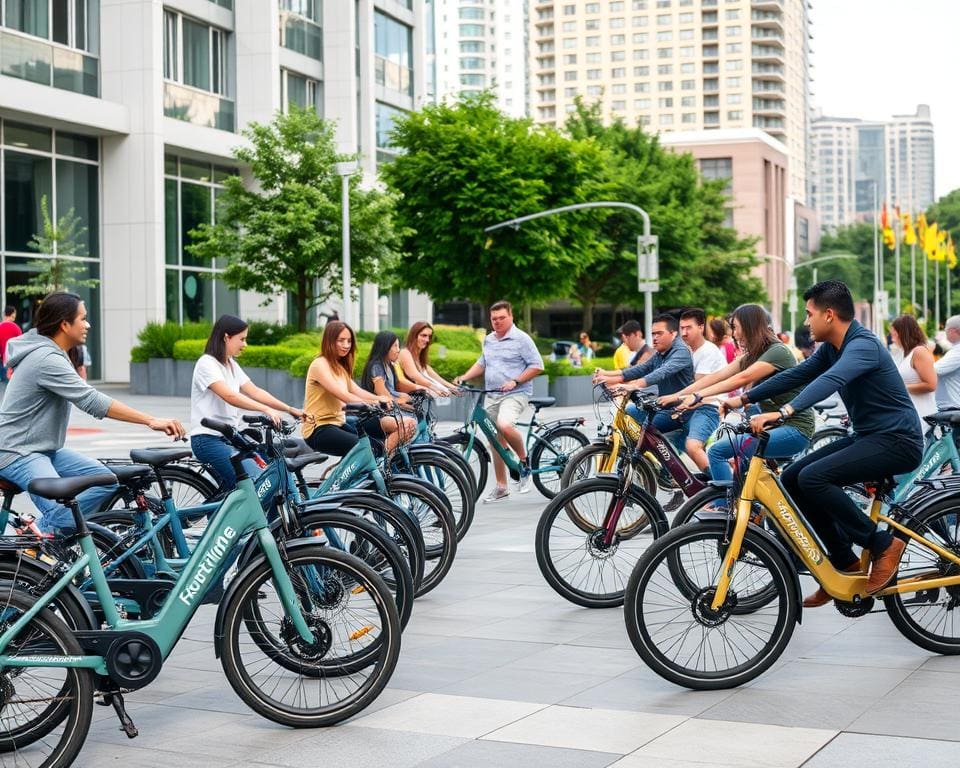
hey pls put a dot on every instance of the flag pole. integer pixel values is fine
(946, 277)
(896, 260)
(936, 299)
(926, 269)
(913, 277)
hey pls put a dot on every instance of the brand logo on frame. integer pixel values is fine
(935, 461)
(265, 486)
(208, 565)
(791, 524)
(343, 475)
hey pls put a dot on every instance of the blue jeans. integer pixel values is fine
(696, 424)
(212, 450)
(785, 443)
(61, 463)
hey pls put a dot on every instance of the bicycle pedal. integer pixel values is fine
(126, 723)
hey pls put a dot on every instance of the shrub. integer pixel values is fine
(456, 338)
(455, 363)
(158, 339)
(304, 341)
(262, 333)
(275, 356)
(299, 365)
(188, 349)
(563, 367)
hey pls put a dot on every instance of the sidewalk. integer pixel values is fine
(496, 669)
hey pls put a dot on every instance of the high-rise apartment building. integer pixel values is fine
(859, 164)
(126, 112)
(678, 65)
(482, 45)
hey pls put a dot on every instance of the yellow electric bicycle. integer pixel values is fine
(712, 604)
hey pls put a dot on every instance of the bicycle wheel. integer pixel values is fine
(422, 503)
(680, 636)
(365, 540)
(929, 618)
(352, 615)
(572, 551)
(824, 437)
(188, 486)
(33, 577)
(46, 710)
(447, 478)
(711, 499)
(462, 464)
(552, 453)
(586, 463)
(479, 458)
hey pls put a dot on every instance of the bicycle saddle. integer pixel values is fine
(943, 417)
(125, 473)
(542, 402)
(298, 463)
(826, 405)
(294, 446)
(67, 488)
(157, 457)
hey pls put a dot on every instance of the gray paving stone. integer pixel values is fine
(496, 754)
(921, 706)
(858, 750)
(524, 685)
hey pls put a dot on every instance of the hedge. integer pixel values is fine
(158, 339)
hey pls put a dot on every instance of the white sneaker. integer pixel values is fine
(497, 494)
(523, 484)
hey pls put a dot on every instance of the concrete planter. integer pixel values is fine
(541, 386)
(162, 374)
(140, 378)
(279, 385)
(455, 410)
(258, 376)
(572, 390)
(183, 377)
(298, 389)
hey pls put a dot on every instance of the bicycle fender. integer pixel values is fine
(722, 519)
(291, 546)
(547, 427)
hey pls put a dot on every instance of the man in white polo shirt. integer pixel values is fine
(510, 362)
(948, 368)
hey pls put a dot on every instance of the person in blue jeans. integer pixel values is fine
(763, 357)
(221, 390)
(36, 410)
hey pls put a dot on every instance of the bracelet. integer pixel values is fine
(782, 410)
(697, 398)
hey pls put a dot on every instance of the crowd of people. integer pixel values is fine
(701, 368)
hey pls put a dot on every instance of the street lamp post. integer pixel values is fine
(345, 170)
(793, 267)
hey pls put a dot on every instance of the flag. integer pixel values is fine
(889, 239)
(909, 235)
(951, 253)
(922, 228)
(930, 241)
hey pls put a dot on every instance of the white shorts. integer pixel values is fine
(507, 407)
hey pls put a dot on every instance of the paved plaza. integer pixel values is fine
(497, 670)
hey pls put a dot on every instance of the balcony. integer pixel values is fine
(711, 119)
(198, 107)
(768, 71)
(39, 61)
(710, 35)
(711, 51)
(769, 124)
(767, 53)
(768, 86)
(767, 19)
(766, 35)
(768, 4)
(393, 76)
(769, 106)
(301, 35)
(711, 85)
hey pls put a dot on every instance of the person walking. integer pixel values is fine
(220, 390)
(633, 348)
(8, 330)
(36, 410)
(917, 366)
(509, 363)
(947, 368)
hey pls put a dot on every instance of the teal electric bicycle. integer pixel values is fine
(307, 635)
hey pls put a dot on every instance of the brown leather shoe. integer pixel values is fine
(821, 596)
(885, 566)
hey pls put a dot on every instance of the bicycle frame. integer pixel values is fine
(763, 486)
(240, 513)
(938, 452)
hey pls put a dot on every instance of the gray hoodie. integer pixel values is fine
(36, 405)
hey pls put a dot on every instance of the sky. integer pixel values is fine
(876, 58)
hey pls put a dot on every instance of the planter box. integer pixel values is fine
(278, 385)
(140, 378)
(183, 377)
(298, 390)
(162, 374)
(258, 376)
(541, 386)
(455, 410)
(572, 390)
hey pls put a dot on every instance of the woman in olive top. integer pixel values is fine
(330, 386)
(763, 356)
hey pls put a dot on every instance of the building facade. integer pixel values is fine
(859, 164)
(124, 114)
(678, 65)
(482, 45)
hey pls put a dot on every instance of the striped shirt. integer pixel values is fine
(506, 357)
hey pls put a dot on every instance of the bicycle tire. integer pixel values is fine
(549, 483)
(698, 502)
(479, 460)
(457, 458)
(198, 488)
(698, 615)
(435, 468)
(252, 588)
(942, 519)
(72, 702)
(26, 574)
(592, 456)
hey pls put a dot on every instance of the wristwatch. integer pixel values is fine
(784, 412)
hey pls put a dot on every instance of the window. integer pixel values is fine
(618, 88)
(393, 53)
(193, 290)
(594, 90)
(570, 58)
(300, 29)
(618, 39)
(639, 38)
(385, 116)
(593, 58)
(593, 41)
(618, 72)
(734, 98)
(475, 14)
(665, 103)
(641, 103)
(686, 34)
(570, 75)
(733, 47)
(664, 37)
(472, 63)
(568, 26)
(688, 69)
(665, 85)
(617, 23)
(731, 14)
(569, 10)
(665, 120)
(685, 18)
(733, 66)
(733, 31)
(592, 24)
(644, 119)
(641, 87)
(735, 114)
(639, 21)
(688, 101)
(618, 55)
(592, 8)
(732, 82)
(74, 23)
(616, 6)
(195, 55)
(639, 5)
(688, 117)
(688, 85)
(618, 106)
(300, 91)
(593, 74)
(569, 42)
(716, 168)
(641, 71)
(477, 80)
(664, 53)
(569, 93)
(664, 20)
(466, 30)
(665, 69)
(686, 51)
(472, 46)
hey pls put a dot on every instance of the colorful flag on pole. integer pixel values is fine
(889, 239)
(930, 240)
(909, 234)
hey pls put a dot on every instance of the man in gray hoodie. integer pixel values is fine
(36, 408)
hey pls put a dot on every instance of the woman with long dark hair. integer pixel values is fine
(220, 390)
(36, 409)
(916, 367)
(379, 375)
(330, 386)
(415, 364)
(763, 356)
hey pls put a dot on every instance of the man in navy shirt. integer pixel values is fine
(887, 439)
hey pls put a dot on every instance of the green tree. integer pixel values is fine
(54, 273)
(464, 167)
(286, 234)
(857, 274)
(702, 262)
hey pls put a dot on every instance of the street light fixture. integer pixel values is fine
(345, 170)
(794, 266)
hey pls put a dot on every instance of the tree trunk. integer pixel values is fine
(300, 300)
(613, 321)
(586, 319)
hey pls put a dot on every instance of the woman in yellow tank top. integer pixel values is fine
(413, 363)
(330, 386)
